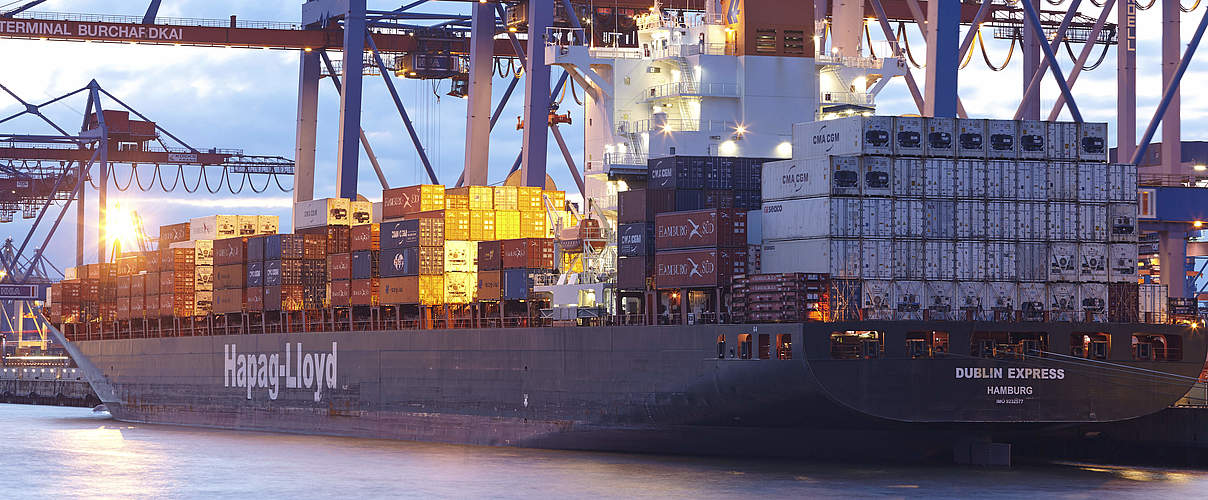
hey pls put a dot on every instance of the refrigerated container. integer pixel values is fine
(1032, 140)
(1092, 262)
(876, 259)
(1122, 182)
(1062, 299)
(971, 219)
(908, 261)
(1063, 262)
(909, 219)
(940, 177)
(1092, 223)
(1092, 182)
(839, 257)
(1092, 142)
(1032, 180)
(361, 212)
(856, 135)
(459, 287)
(1063, 140)
(1122, 222)
(1153, 298)
(1032, 261)
(970, 178)
(811, 218)
(995, 189)
(940, 298)
(877, 299)
(1063, 180)
(460, 256)
(940, 218)
(1032, 220)
(971, 139)
(909, 178)
(1062, 221)
(908, 136)
(1092, 298)
(834, 175)
(908, 299)
(970, 260)
(1122, 262)
(322, 212)
(876, 175)
(940, 136)
(1001, 260)
(876, 217)
(1033, 297)
(940, 260)
(1002, 296)
(972, 296)
(212, 227)
(1001, 223)
(1003, 139)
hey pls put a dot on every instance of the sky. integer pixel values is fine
(246, 99)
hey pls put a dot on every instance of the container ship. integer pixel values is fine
(754, 268)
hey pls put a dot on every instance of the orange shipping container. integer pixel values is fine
(457, 224)
(364, 292)
(488, 285)
(478, 197)
(253, 298)
(399, 202)
(151, 284)
(137, 306)
(123, 308)
(365, 237)
(138, 285)
(431, 289)
(401, 290)
(482, 225)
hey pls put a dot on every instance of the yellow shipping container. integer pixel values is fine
(528, 199)
(532, 225)
(480, 197)
(203, 278)
(505, 198)
(431, 289)
(571, 263)
(557, 198)
(507, 224)
(560, 219)
(482, 225)
(361, 213)
(457, 225)
(267, 224)
(203, 302)
(457, 201)
(461, 256)
(203, 252)
(460, 287)
(248, 225)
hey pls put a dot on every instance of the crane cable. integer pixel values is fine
(969, 54)
(981, 42)
(1189, 9)
(573, 95)
(905, 43)
(1102, 56)
(1147, 7)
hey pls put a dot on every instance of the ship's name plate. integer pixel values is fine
(1012, 373)
(293, 367)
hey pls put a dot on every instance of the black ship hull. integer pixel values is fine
(659, 389)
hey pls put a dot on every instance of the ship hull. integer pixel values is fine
(640, 389)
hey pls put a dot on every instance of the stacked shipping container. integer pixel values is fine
(975, 217)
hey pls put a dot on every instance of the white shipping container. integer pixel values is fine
(1032, 220)
(877, 175)
(1153, 302)
(1032, 261)
(1063, 140)
(970, 219)
(972, 296)
(877, 259)
(1092, 262)
(1122, 262)
(1001, 223)
(845, 258)
(908, 135)
(1092, 298)
(1092, 223)
(908, 259)
(940, 260)
(1122, 222)
(1033, 296)
(970, 178)
(854, 135)
(941, 177)
(941, 136)
(908, 218)
(1062, 298)
(941, 219)
(1122, 182)
(908, 299)
(1063, 259)
(1092, 182)
(877, 298)
(877, 218)
(1032, 180)
(908, 177)
(377, 212)
(810, 218)
(1001, 260)
(1032, 135)
(971, 141)
(789, 179)
(1003, 139)
(971, 260)
(322, 212)
(213, 227)
(940, 298)
(1003, 295)
(1092, 142)
(1062, 221)
(796, 256)
(1063, 181)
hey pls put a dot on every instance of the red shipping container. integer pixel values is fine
(339, 266)
(338, 293)
(490, 256)
(123, 308)
(151, 284)
(230, 251)
(400, 202)
(253, 298)
(633, 271)
(527, 253)
(228, 300)
(138, 285)
(365, 237)
(173, 233)
(698, 268)
(283, 298)
(123, 286)
(136, 307)
(230, 276)
(364, 292)
(700, 229)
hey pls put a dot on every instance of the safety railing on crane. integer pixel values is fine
(1173, 180)
(677, 125)
(692, 89)
(165, 21)
(624, 159)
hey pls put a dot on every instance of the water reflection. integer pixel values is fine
(69, 452)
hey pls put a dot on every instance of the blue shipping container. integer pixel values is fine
(255, 249)
(515, 284)
(635, 239)
(283, 246)
(689, 199)
(272, 273)
(677, 172)
(363, 264)
(255, 273)
(399, 234)
(396, 262)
